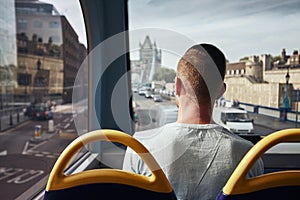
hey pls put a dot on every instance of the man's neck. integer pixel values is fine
(190, 112)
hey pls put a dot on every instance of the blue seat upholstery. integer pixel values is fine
(275, 185)
(107, 183)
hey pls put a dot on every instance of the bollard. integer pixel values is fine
(50, 126)
(37, 131)
(18, 117)
(10, 120)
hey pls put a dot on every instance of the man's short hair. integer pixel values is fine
(203, 66)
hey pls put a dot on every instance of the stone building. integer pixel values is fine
(148, 64)
(261, 81)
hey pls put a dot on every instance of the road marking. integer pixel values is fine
(3, 153)
(50, 156)
(57, 126)
(66, 120)
(17, 175)
(67, 125)
(29, 149)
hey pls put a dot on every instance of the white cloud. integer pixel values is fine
(240, 28)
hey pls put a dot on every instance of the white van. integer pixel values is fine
(233, 119)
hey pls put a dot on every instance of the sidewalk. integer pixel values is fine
(63, 108)
(272, 123)
(8, 121)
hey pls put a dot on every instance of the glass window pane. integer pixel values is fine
(259, 54)
(36, 80)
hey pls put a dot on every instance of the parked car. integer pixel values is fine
(39, 111)
(157, 98)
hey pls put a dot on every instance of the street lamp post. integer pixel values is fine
(285, 104)
(297, 102)
(26, 83)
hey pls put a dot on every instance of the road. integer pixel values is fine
(25, 159)
(147, 115)
(286, 157)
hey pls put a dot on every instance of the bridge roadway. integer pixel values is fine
(146, 110)
(283, 156)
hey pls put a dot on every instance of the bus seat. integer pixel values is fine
(107, 183)
(275, 185)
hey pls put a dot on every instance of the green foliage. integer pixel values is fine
(244, 59)
(165, 74)
(276, 58)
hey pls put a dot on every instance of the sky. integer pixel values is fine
(71, 9)
(238, 28)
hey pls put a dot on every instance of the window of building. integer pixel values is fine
(22, 24)
(54, 24)
(24, 79)
(37, 24)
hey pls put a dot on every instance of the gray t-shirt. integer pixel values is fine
(197, 159)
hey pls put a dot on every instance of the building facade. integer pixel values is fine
(248, 80)
(45, 35)
(148, 64)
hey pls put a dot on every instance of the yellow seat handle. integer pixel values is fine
(238, 182)
(58, 180)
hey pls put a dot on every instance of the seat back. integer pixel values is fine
(276, 185)
(107, 183)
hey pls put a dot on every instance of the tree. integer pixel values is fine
(165, 74)
(244, 59)
(276, 58)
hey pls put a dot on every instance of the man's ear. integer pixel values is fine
(178, 85)
(222, 91)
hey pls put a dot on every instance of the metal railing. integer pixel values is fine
(291, 116)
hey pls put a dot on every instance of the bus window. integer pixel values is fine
(263, 69)
(249, 66)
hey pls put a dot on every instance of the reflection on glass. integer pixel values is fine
(40, 55)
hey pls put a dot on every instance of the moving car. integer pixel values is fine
(157, 98)
(148, 94)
